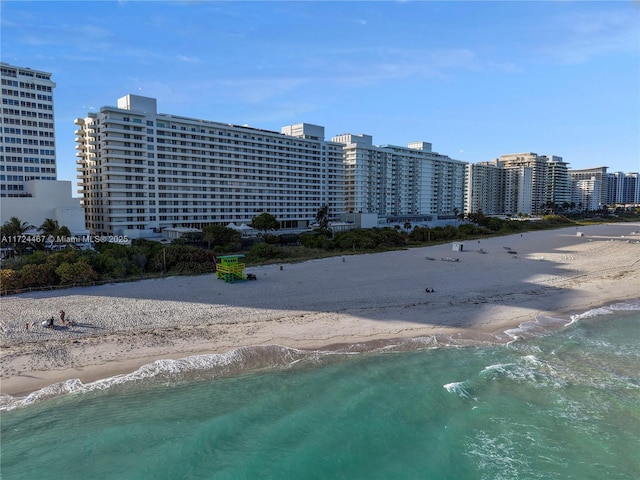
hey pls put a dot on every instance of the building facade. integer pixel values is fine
(27, 144)
(558, 183)
(586, 193)
(485, 188)
(29, 187)
(400, 182)
(141, 171)
(622, 189)
(496, 189)
(599, 174)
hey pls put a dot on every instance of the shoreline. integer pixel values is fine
(353, 303)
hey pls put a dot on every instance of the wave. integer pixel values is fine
(235, 362)
(245, 359)
(541, 325)
(629, 306)
(193, 368)
(459, 389)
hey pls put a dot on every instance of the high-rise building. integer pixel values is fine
(558, 183)
(29, 187)
(622, 188)
(142, 171)
(27, 143)
(586, 193)
(496, 189)
(394, 181)
(550, 181)
(538, 166)
(599, 196)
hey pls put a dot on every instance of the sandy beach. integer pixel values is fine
(351, 302)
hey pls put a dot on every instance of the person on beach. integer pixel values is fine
(62, 315)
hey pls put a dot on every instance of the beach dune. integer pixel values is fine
(355, 302)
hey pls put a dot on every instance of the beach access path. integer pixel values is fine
(349, 302)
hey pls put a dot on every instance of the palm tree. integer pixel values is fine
(49, 227)
(13, 232)
(322, 217)
(15, 227)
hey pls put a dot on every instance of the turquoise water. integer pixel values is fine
(565, 405)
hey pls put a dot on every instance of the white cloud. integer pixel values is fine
(580, 36)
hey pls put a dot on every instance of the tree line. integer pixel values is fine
(195, 253)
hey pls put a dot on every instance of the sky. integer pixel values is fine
(476, 79)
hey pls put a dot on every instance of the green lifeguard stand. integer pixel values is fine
(230, 269)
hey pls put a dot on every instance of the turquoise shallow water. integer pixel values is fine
(564, 405)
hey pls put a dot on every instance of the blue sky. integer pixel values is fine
(476, 79)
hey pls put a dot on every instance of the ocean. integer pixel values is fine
(552, 404)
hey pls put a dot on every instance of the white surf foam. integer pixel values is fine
(630, 306)
(458, 388)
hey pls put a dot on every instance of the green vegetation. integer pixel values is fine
(265, 222)
(196, 254)
(109, 262)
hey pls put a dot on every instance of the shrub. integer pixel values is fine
(264, 251)
(10, 279)
(361, 239)
(78, 272)
(39, 275)
(391, 238)
(420, 234)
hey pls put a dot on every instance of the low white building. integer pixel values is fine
(46, 199)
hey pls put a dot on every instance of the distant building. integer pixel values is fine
(622, 189)
(586, 193)
(142, 171)
(496, 189)
(558, 183)
(599, 175)
(485, 188)
(400, 183)
(549, 178)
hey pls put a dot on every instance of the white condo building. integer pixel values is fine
(495, 189)
(586, 193)
(28, 135)
(595, 198)
(400, 183)
(29, 187)
(622, 188)
(558, 183)
(550, 182)
(141, 171)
